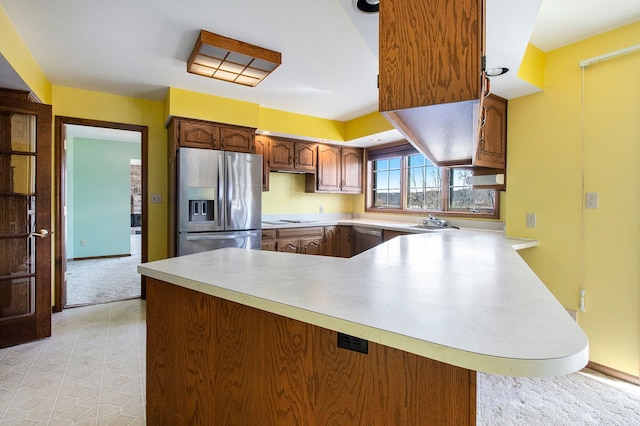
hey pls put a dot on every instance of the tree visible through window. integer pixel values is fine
(410, 182)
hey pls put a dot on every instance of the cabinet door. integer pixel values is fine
(268, 240)
(281, 155)
(305, 157)
(492, 144)
(236, 139)
(344, 244)
(262, 148)
(328, 168)
(198, 134)
(415, 38)
(311, 245)
(351, 170)
(288, 245)
(330, 245)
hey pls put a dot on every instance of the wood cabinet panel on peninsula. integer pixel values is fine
(212, 362)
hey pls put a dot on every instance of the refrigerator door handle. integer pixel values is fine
(228, 191)
(220, 194)
(221, 237)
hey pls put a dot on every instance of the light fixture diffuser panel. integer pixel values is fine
(231, 60)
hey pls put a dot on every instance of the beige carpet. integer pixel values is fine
(95, 281)
(585, 398)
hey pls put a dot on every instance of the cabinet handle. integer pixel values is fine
(483, 117)
(487, 85)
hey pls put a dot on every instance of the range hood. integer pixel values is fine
(432, 76)
(446, 134)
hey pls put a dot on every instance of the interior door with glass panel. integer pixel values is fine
(25, 220)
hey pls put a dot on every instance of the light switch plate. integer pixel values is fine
(156, 198)
(591, 200)
(531, 220)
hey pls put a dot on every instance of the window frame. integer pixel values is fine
(404, 150)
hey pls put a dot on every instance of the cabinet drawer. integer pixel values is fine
(268, 234)
(314, 231)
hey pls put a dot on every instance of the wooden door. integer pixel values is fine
(328, 168)
(351, 170)
(25, 221)
(237, 139)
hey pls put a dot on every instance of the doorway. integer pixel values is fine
(101, 183)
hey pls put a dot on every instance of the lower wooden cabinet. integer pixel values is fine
(268, 240)
(327, 241)
(307, 240)
(337, 241)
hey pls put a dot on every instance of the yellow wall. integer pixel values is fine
(594, 249)
(286, 195)
(14, 50)
(78, 103)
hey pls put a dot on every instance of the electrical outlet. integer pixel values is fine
(321, 209)
(83, 243)
(591, 200)
(156, 198)
(531, 220)
(353, 343)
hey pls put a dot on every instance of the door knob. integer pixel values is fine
(42, 233)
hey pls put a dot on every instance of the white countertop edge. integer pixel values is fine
(513, 367)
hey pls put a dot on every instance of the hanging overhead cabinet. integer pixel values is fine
(432, 83)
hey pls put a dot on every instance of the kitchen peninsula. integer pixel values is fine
(238, 335)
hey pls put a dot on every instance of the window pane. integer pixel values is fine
(424, 184)
(464, 197)
(386, 182)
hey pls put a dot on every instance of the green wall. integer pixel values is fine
(99, 201)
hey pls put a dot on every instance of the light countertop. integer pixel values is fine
(463, 297)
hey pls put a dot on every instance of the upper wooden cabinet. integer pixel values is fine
(339, 170)
(291, 155)
(193, 133)
(432, 83)
(262, 148)
(430, 52)
(197, 134)
(237, 139)
(492, 143)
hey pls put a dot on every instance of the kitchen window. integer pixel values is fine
(405, 181)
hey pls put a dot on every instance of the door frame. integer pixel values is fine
(60, 201)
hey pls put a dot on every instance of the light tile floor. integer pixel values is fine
(91, 371)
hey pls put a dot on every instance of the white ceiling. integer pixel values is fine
(329, 51)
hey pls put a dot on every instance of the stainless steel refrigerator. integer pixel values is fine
(219, 200)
